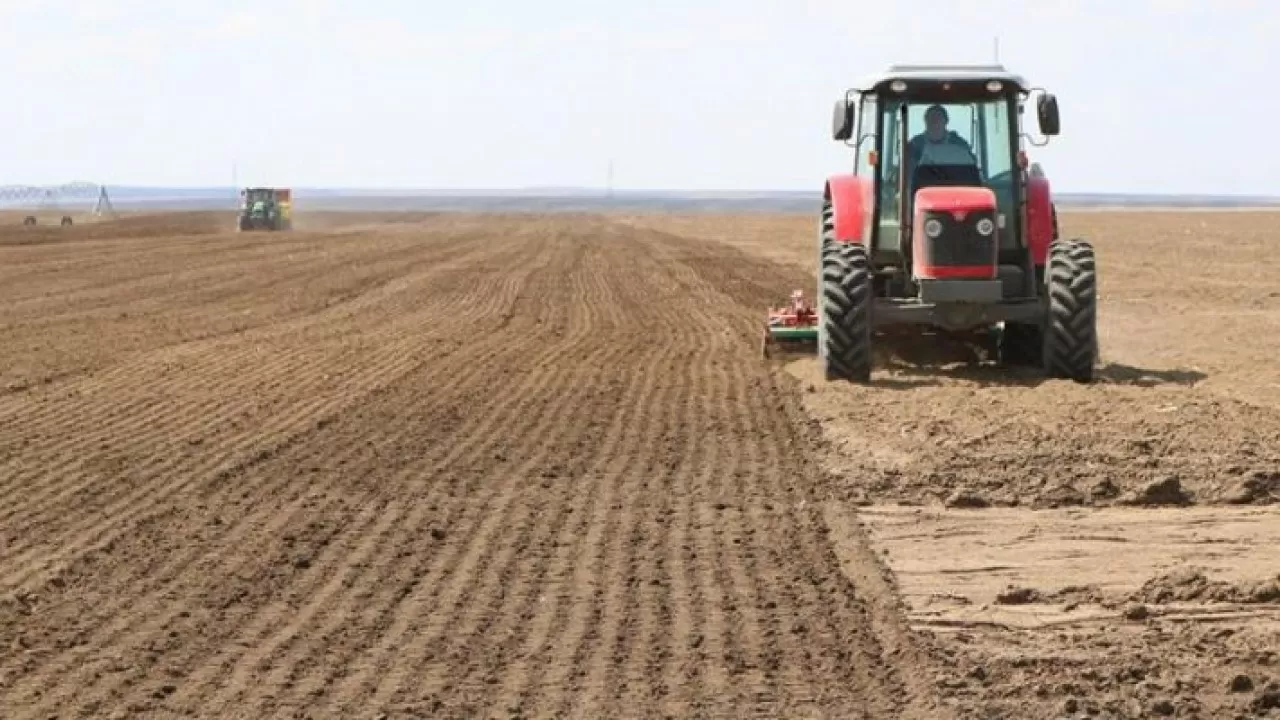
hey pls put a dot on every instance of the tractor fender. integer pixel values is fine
(1040, 218)
(851, 199)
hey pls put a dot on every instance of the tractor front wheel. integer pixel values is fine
(1071, 327)
(844, 329)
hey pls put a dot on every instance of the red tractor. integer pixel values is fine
(943, 228)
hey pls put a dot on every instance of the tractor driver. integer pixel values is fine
(937, 145)
(940, 148)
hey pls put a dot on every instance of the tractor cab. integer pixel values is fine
(258, 199)
(917, 128)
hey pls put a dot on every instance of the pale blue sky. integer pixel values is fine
(1155, 96)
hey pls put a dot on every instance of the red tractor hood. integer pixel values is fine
(955, 200)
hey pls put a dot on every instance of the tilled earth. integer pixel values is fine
(468, 466)
(1078, 551)
(500, 466)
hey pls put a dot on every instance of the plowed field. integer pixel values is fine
(528, 466)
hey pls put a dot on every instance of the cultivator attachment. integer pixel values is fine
(791, 328)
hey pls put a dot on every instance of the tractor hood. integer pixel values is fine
(955, 200)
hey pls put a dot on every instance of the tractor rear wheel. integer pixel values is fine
(1071, 327)
(844, 328)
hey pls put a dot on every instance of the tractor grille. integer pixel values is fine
(960, 245)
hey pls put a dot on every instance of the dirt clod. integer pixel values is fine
(1019, 596)
(1104, 489)
(1136, 611)
(1262, 487)
(1267, 700)
(966, 499)
(1164, 491)
(1064, 495)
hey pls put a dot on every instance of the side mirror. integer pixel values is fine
(842, 120)
(1047, 114)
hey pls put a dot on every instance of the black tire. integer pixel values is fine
(66, 220)
(844, 328)
(1071, 327)
(1021, 345)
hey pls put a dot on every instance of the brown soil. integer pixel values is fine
(1078, 551)
(460, 467)
(454, 466)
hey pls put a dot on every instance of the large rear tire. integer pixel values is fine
(844, 328)
(1071, 327)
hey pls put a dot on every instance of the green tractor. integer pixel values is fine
(266, 209)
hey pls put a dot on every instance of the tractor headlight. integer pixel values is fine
(933, 228)
(985, 226)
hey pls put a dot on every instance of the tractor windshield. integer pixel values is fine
(973, 143)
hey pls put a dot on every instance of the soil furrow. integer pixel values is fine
(458, 392)
(166, 459)
(497, 340)
(460, 302)
(569, 577)
(462, 576)
(606, 643)
(551, 476)
(501, 465)
(580, 601)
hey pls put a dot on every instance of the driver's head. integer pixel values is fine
(935, 122)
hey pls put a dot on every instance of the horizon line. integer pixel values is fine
(582, 189)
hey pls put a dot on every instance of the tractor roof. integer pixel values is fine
(943, 73)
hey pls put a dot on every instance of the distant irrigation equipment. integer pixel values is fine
(62, 202)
